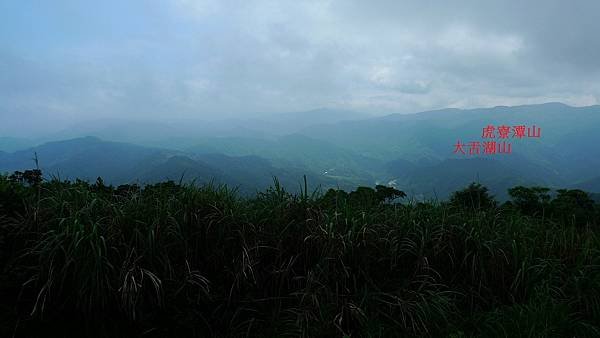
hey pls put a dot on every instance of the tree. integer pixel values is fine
(30, 177)
(388, 194)
(362, 196)
(334, 198)
(530, 201)
(573, 206)
(474, 196)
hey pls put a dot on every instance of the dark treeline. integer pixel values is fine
(80, 259)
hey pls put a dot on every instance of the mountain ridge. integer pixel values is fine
(395, 148)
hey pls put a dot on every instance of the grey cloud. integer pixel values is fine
(217, 59)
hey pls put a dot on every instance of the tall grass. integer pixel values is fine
(184, 260)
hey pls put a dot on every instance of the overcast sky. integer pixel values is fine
(66, 61)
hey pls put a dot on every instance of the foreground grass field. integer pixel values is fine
(83, 260)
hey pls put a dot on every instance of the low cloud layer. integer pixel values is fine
(70, 61)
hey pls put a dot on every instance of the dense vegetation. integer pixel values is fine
(80, 259)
